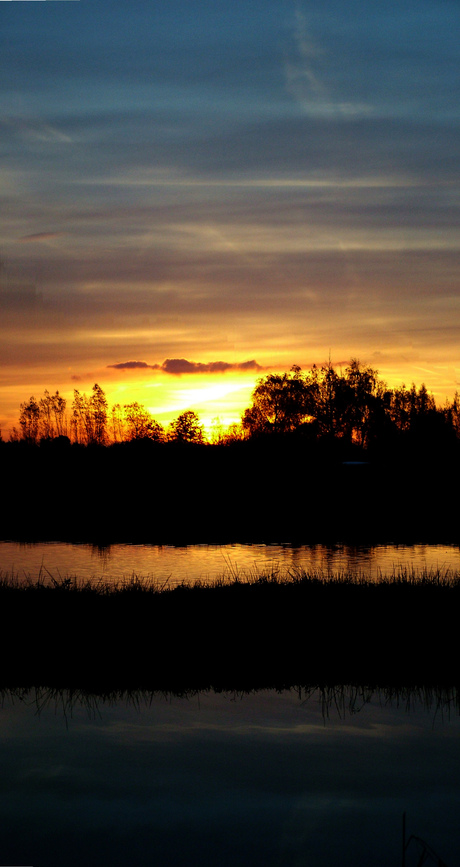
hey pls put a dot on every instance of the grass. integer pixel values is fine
(241, 631)
(232, 577)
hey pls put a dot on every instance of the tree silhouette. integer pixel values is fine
(362, 399)
(29, 421)
(52, 415)
(117, 423)
(43, 419)
(90, 417)
(140, 423)
(186, 428)
(354, 406)
(280, 404)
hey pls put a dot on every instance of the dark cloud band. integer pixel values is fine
(179, 366)
(134, 365)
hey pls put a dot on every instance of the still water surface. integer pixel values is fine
(264, 780)
(207, 562)
(222, 780)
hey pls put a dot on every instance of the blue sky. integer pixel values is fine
(271, 182)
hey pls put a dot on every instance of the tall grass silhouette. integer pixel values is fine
(246, 630)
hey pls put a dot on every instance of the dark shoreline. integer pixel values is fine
(241, 636)
(278, 492)
(235, 635)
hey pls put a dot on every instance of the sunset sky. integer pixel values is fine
(197, 192)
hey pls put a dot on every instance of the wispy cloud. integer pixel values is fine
(148, 178)
(304, 79)
(35, 130)
(39, 236)
(301, 76)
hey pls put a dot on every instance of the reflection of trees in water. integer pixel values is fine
(101, 553)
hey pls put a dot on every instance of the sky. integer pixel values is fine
(194, 193)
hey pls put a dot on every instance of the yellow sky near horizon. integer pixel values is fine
(210, 188)
(214, 396)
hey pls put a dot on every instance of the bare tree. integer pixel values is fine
(52, 415)
(89, 415)
(29, 421)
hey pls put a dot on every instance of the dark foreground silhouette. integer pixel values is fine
(272, 490)
(319, 456)
(236, 635)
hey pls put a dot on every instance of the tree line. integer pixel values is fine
(354, 406)
(91, 422)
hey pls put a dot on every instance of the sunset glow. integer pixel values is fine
(259, 189)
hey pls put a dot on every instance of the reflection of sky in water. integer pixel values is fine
(211, 561)
(215, 781)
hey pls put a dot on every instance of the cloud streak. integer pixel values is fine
(39, 236)
(225, 186)
(134, 365)
(307, 85)
(180, 366)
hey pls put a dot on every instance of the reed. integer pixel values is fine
(135, 585)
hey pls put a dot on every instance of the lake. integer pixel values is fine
(207, 562)
(265, 779)
(222, 780)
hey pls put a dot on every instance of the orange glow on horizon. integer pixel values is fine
(216, 398)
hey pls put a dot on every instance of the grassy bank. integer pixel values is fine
(243, 632)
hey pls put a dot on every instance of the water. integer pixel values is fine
(206, 562)
(220, 780)
(261, 780)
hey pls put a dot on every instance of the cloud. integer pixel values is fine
(21, 298)
(179, 366)
(307, 86)
(35, 130)
(39, 236)
(134, 365)
(301, 76)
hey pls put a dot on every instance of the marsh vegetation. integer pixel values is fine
(256, 631)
